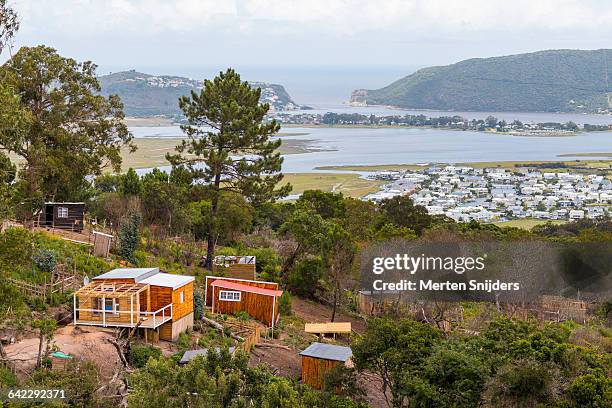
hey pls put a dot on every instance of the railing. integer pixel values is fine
(157, 312)
(113, 317)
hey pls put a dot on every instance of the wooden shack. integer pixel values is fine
(240, 267)
(319, 359)
(67, 216)
(160, 304)
(230, 295)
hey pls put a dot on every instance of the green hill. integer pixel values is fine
(547, 81)
(151, 95)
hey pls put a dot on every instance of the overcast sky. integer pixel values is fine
(191, 36)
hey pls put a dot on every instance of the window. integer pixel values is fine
(62, 212)
(230, 295)
(181, 297)
(110, 305)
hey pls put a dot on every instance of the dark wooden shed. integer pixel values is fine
(319, 359)
(67, 216)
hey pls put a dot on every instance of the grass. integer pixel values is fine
(349, 184)
(527, 223)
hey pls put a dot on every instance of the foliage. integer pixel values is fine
(9, 24)
(140, 354)
(221, 380)
(544, 81)
(591, 391)
(198, 305)
(45, 260)
(327, 205)
(402, 212)
(72, 131)
(129, 237)
(79, 380)
(304, 277)
(284, 304)
(226, 120)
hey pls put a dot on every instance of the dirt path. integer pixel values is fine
(86, 343)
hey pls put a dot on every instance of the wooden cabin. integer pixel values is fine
(240, 267)
(67, 216)
(319, 359)
(159, 303)
(231, 295)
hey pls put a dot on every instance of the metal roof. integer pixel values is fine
(137, 274)
(246, 288)
(328, 352)
(191, 354)
(168, 280)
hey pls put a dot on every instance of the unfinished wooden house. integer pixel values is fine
(161, 304)
(240, 267)
(67, 216)
(231, 295)
(319, 359)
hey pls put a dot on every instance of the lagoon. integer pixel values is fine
(378, 146)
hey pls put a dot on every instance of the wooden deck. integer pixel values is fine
(328, 328)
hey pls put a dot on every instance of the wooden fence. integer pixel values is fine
(251, 333)
(60, 282)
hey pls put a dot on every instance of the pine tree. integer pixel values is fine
(229, 145)
(129, 237)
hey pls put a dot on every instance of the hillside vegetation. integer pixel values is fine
(150, 95)
(549, 81)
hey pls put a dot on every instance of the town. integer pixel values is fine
(466, 193)
(455, 122)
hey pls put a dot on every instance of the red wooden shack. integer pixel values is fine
(230, 295)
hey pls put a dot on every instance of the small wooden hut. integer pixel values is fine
(229, 296)
(66, 216)
(319, 359)
(240, 267)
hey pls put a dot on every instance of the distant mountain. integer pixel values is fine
(150, 95)
(545, 81)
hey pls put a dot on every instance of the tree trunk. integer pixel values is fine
(288, 264)
(335, 305)
(40, 348)
(212, 233)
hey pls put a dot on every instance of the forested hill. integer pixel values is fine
(150, 95)
(548, 81)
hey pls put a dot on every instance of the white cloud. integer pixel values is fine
(345, 17)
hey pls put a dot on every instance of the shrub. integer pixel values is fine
(284, 304)
(45, 260)
(198, 305)
(129, 237)
(140, 354)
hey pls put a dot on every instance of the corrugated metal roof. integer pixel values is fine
(168, 280)
(246, 288)
(191, 354)
(137, 274)
(328, 352)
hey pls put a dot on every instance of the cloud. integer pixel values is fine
(340, 17)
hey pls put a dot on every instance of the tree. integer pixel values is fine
(70, 131)
(394, 350)
(327, 205)
(46, 328)
(401, 211)
(129, 237)
(130, 183)
(229, 145)
(9, 24)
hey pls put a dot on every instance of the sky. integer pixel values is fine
(367, 42)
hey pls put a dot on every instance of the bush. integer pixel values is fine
(198, 305)
(45, 260)
(590, 391)
(140, 354)
(129, 237)
(284, 304)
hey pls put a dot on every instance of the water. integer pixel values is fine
(376, 146)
